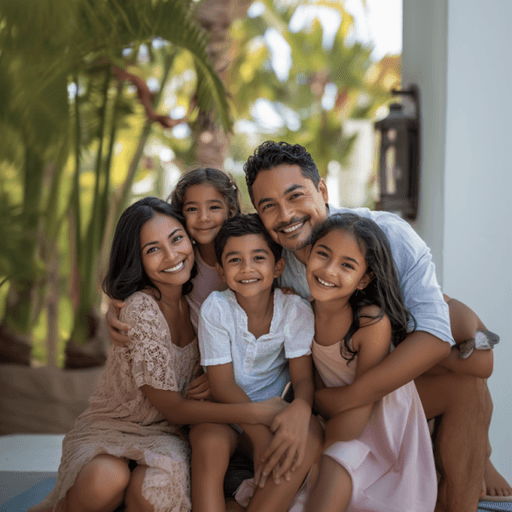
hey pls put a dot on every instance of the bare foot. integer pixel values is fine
(495, 484)
(483, 490)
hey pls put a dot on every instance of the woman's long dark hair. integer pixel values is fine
(126, 274)
(383, 290)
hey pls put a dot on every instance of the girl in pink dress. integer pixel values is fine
(206, 197)
(377, 457)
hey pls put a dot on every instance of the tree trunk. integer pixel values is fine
(216, 17)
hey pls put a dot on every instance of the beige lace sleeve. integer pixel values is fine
(152, 356)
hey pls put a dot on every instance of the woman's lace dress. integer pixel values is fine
(121, 421)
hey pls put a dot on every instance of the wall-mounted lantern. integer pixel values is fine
(399, 156)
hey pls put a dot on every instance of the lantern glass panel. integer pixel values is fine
(390, 160)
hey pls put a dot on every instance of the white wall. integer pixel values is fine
(424, 63)
(458, 51)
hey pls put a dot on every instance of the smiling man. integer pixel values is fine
(291, 199)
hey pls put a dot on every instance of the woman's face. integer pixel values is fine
(166, 251)
(336, 267)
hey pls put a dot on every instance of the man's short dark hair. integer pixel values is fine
(241, 225)
(271, 154)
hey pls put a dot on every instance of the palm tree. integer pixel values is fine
(62, 73)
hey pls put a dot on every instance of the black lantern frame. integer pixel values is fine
(399, 157)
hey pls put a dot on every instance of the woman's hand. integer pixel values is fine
(199, 388)
(117, 330)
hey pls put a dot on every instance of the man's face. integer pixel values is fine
(289, 204)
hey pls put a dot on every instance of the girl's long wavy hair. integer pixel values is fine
(222, 181)
(383, 290)
(126, 274)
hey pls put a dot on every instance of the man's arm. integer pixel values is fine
(414, 356)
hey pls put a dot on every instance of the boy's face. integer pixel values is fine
(248, 265)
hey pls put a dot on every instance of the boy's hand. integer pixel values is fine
(290, 429)
(260, 443)
(117, 330)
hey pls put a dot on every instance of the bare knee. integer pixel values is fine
(214, 442)
(101, 481)
(107, 471)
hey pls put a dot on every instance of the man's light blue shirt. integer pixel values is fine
(416, 272)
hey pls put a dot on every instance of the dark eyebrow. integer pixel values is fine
(343, 256)
(290, 189)
(154, 243)
(209, 201)
(234, 253)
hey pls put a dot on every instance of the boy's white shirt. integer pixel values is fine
(260, 365)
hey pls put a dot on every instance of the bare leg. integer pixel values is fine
(278, 497)
(212, 445)
(464, 323)
(134, 500)
(333, 488)
(464, 404)
(100, 485)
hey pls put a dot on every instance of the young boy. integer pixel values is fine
(253, 339)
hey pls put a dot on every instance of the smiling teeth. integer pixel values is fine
(293, 228)
(247, 281)
(325, 283)
(179, 266)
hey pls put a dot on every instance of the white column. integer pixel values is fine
(458, 51)
(354, 176)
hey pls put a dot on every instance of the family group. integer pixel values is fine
(216, 314)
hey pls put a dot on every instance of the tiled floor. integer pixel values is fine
(26, 460)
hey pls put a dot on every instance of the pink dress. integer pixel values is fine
(206, 282)
(391, 463)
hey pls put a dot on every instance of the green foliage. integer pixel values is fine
(61, 113)
(75, 139)
(342, 71)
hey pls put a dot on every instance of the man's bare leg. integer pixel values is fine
(464, 406)
(464, 323)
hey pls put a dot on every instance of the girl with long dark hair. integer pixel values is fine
(377, 457)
